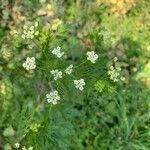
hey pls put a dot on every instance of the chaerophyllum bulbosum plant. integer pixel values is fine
(63, 71)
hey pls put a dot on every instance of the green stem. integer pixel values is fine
(81, 63)
(46, 121)
(36, 44)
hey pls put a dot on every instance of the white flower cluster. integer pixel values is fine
(115, 72)
(17, 145)
(57, 52)
(57, 74)
(29, 64)
(115, 59)
(53, 97)
(92, 56)
(69, 69)
(79, 84)
(106, 36)
(30, 32)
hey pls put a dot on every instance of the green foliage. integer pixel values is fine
(104, 86)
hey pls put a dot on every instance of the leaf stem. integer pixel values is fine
(81, 63)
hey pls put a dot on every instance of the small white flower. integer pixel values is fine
(118, 69)
(29, 64)
(122, 78)
(57, 74)
(31, 28)
(57, 52)
(23, 36)
(53, 97)
(36, 24)
(30, 148)
(36, 33)
(92, 56)
(111, 67)
(79, 84)
(134, 69)
(17, 145)
(24, 148)
(115, 59)
(69, 69)
(25, 27)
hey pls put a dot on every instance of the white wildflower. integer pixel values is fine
(57, 74)
(115, 74)
(134, 69)
(92, 56)
(29, 64)
(30, 32)
(17, 145)
(57, 52)
(24, 148)
(122, 78)
(36, 24)
(118, 69)
(53, 97)
(30, 148)
(69, 69)
(79, 84)
(115, 59)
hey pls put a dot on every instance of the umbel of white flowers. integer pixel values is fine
(57, 52)
(79, 84)
(69, 69)
(30, 32)
(53, 97)
(92, 56)
(57, 74)
(115, 72)
(29, 64)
